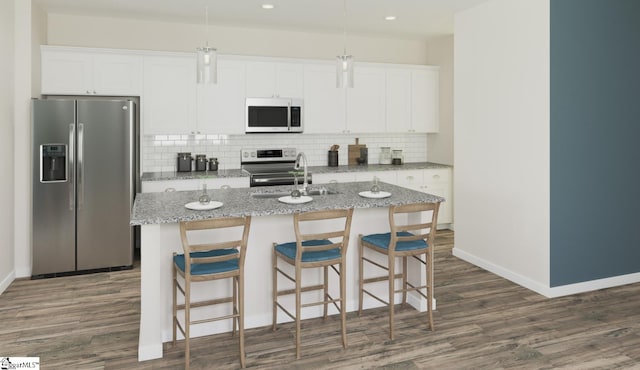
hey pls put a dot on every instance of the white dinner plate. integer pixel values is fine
(290, 200)
(197, 206)
(378, 195)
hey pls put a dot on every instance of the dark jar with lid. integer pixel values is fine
(201, 162)
(184, 162)
(213, 164)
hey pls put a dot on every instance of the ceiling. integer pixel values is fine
(416, 19)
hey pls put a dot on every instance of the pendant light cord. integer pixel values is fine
(206, 29)
(344, 29)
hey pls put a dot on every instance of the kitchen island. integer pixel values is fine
(159, 214)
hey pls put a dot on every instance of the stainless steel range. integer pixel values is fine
(269, 167)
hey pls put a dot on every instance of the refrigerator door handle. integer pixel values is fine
(80, 165)
(70, 166)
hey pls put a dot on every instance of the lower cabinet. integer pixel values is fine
(437, 181)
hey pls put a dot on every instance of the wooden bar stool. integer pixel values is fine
(314, 249)
(411, 238)
(211, 261)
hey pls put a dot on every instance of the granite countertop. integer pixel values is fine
(172, 175)
(168, 207)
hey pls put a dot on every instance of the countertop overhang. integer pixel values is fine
(168, 207)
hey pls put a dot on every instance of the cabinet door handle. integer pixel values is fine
(436, 176)
(88, 92)
(410, 178)
(169, 190)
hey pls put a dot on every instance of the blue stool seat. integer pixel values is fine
(209, 268)
(383, 240)
(289, 250)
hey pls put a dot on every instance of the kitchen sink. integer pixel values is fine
(278, 194)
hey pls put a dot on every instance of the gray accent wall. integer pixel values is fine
(595, 140)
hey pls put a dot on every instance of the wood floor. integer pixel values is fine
(482, 322)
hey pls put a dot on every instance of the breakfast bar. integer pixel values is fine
(159, 215)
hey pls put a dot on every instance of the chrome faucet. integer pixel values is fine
(296, 166)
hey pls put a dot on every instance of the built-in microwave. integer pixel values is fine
(274, 115)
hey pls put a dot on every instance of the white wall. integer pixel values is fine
(30, 29)
(7, 271)
(501, 153)
(440, 145)
(72, 30)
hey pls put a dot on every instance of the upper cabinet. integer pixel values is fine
(274, 79)
(324, 104)
(169, 96)
(425, 100)
(412, 99)
(385, 98)
(366, 105)
(68, 71)
(398, 100)
(221, 106)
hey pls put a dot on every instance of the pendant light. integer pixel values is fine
(207, 59)
(344, 62)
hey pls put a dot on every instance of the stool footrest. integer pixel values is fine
(302, 289)
(376, 297)
(206, 303)
(380, 278)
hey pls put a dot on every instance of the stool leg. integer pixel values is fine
(326, 291)
(361, 274)
(274, 286)
(392, 267)
(187, 322)
(298, 310)
(175, 305)
(235, 303)
(241, 316)
(404, 280)
(429, 275)
(343, 305)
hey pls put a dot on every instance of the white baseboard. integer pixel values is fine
(549, 292)
(4, 284)
(592, 285)
(502, 272)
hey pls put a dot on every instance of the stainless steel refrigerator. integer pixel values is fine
(84, 175)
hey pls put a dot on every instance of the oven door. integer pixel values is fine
(267, 115)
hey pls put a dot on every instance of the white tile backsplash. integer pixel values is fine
(159, 152)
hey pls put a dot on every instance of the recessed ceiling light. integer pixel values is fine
(267, 6)
(390, 18)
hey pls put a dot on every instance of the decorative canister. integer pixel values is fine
(201, 162)
(385, 155)
(213, 164)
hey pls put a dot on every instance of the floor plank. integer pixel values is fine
(482, 322)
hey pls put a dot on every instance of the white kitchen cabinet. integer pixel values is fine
(274, 79)
(76, 72)
(169, 100)
(425, 100)
(324, 104)
(213, 184)
(340, 177)
(366, 105)
(398, 100)
(412, 179)
(385, 176)
(221, 106)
